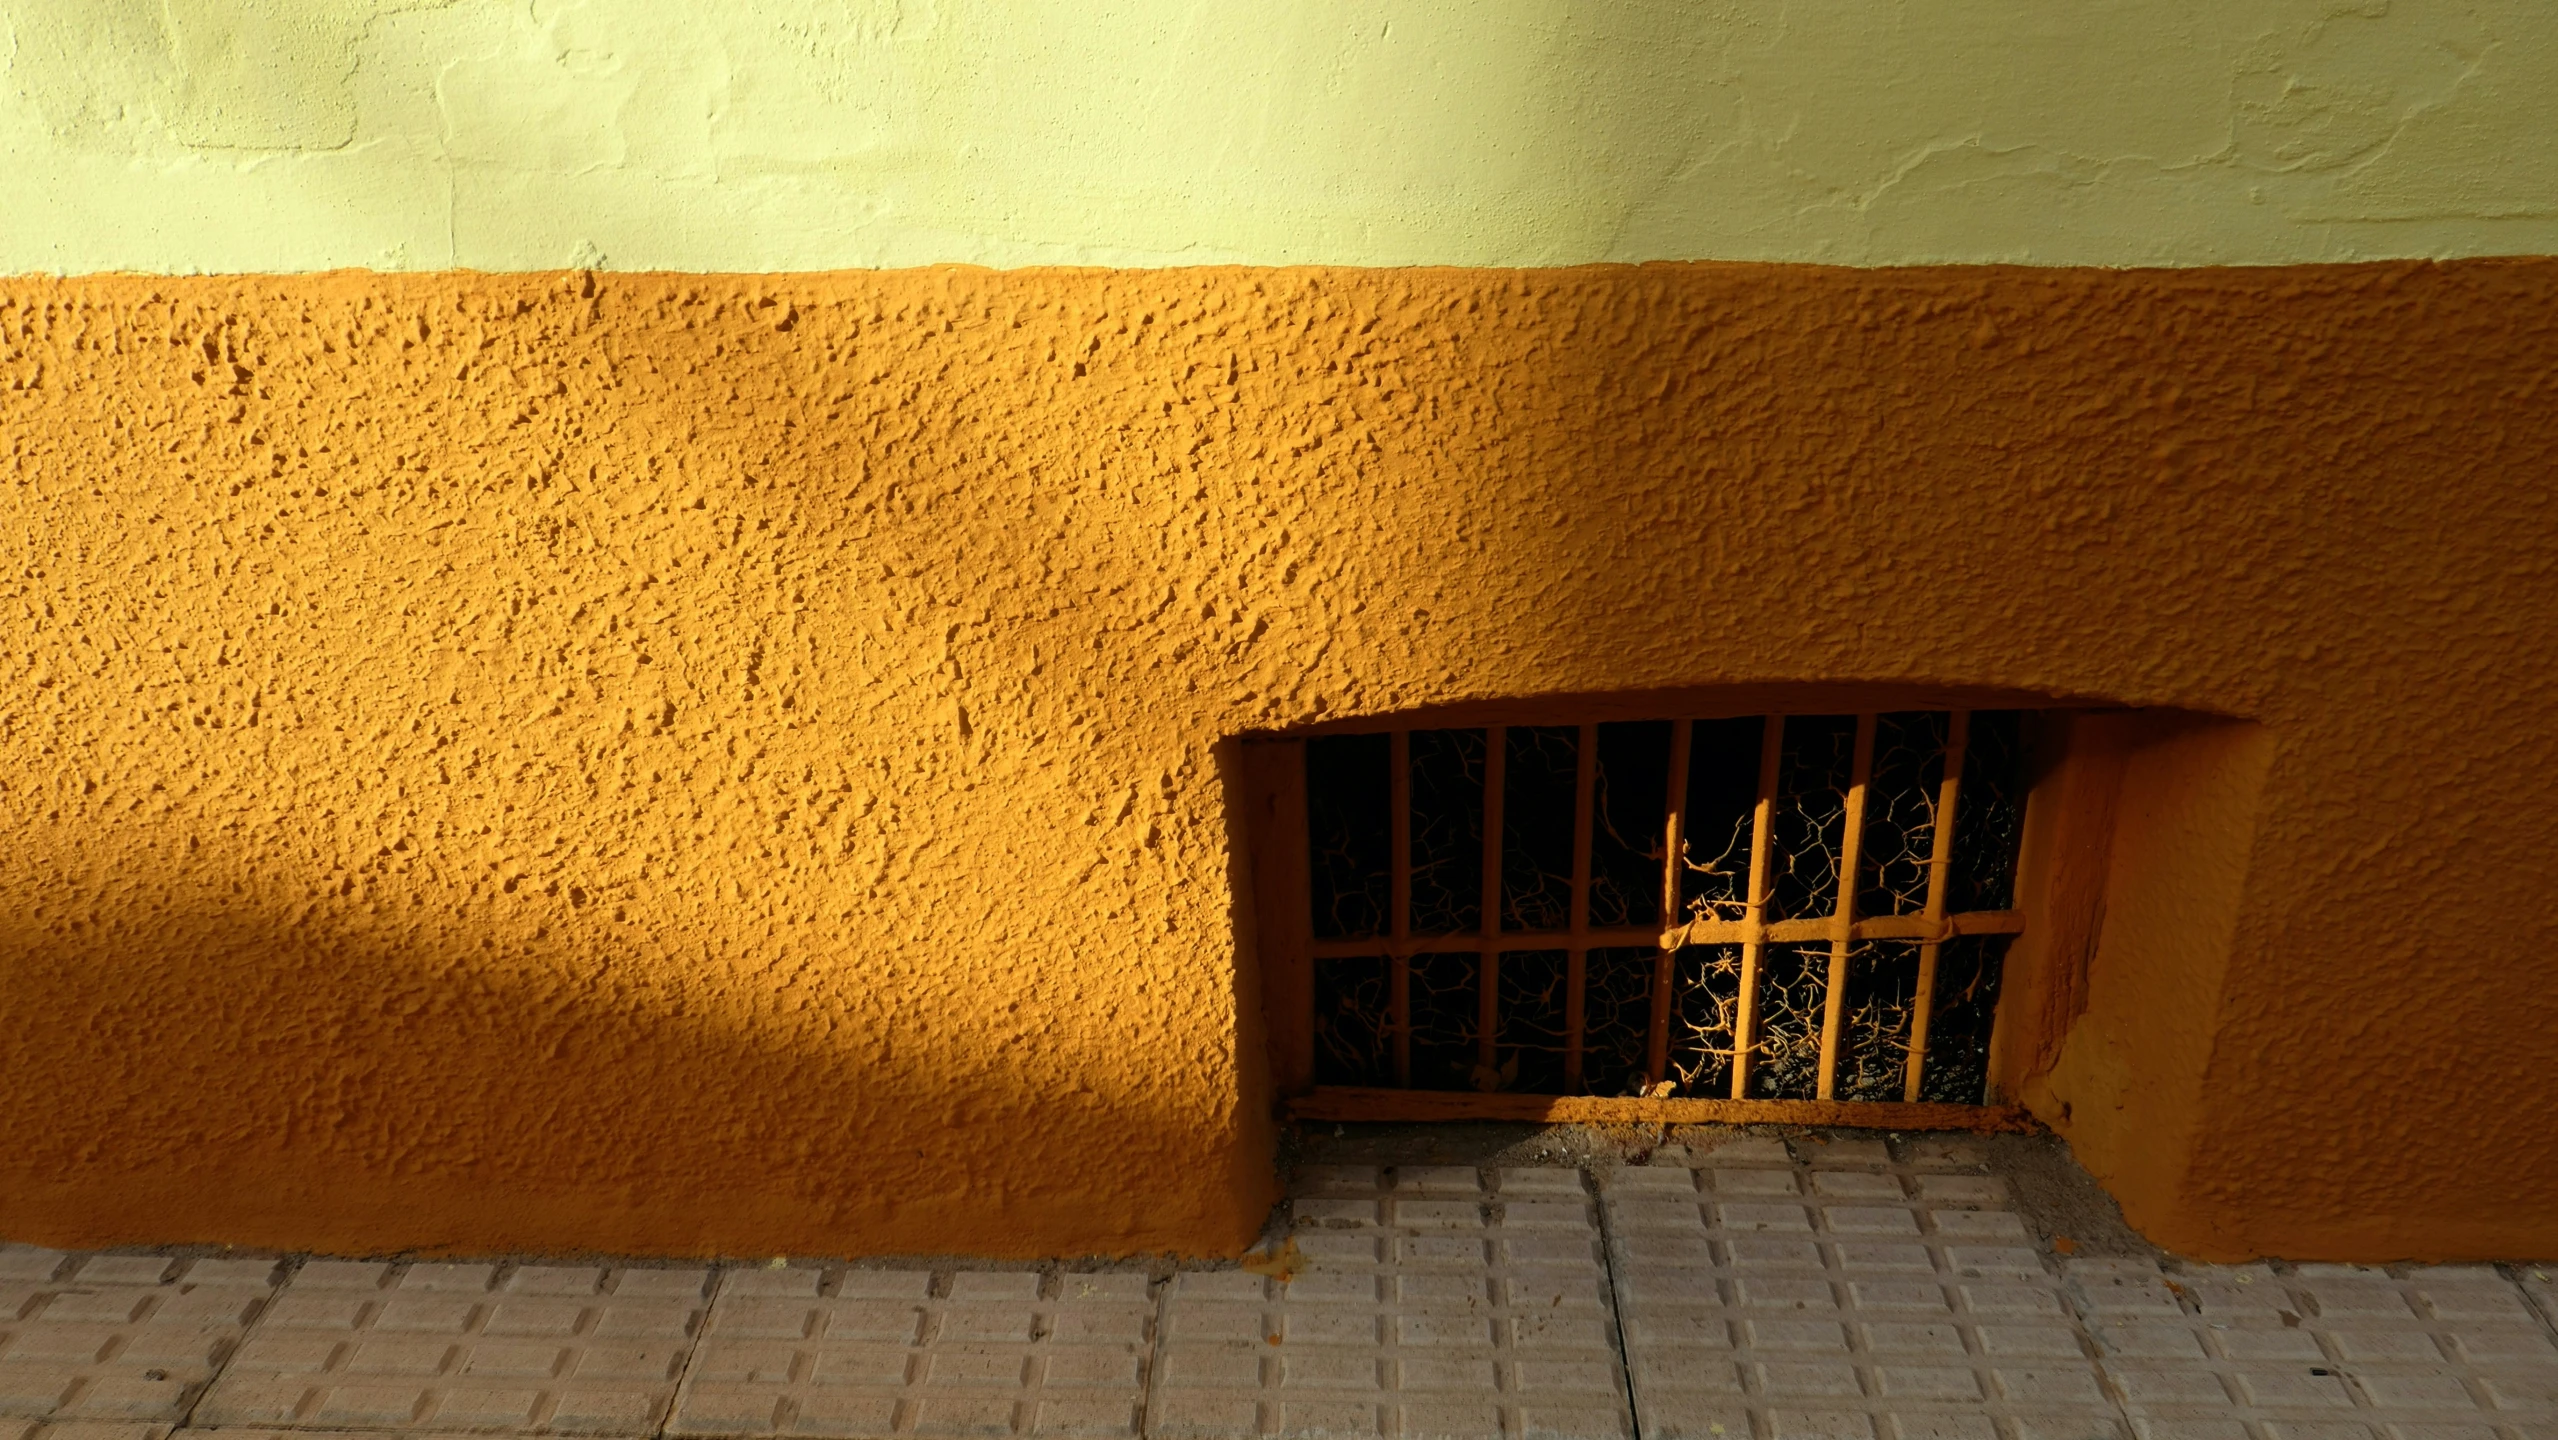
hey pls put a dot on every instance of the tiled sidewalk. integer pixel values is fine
(1848, 1292)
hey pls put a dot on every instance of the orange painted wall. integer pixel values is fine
(686, 765)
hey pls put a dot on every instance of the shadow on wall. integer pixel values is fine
(448, 1093)
(439, 1093)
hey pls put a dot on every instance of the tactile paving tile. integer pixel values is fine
(1434, 1301)
(80, 1430)
(2540, 1282)
(1848, 1290)
(242, 1432)
(122, 1340)
(367, 1346)
(1851, 1297)
(2320, 1352)
(910, 1352)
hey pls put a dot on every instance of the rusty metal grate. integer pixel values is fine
(1767, 910)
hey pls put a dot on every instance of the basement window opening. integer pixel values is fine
(1776, 908)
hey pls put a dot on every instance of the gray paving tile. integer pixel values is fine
(121, 1340)
(1946, 1153)
(1828, 1300)
(1443, 1302)
(1844, 1151)
(860, 1353)
(2318, 1352)
(80, 1430)
(247, 1432)
(464, 1347)
(1847, 1289)
(1747, 1150)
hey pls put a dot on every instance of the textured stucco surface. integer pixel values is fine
(662, 764)
(760, 135)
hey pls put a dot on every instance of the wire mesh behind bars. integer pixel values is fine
(1763, 908)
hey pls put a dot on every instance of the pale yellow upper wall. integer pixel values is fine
(754, 135)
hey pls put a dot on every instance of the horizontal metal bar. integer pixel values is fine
(1347, 1104)
(1628, 936)
(1877, 927)
(1696, 932)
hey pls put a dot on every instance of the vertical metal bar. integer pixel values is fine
(1940, 858)
(1754, 913)
(1399, 893)
(1487, 970)
(1851, 866)
(1656, 1067)
(1576, 1007)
